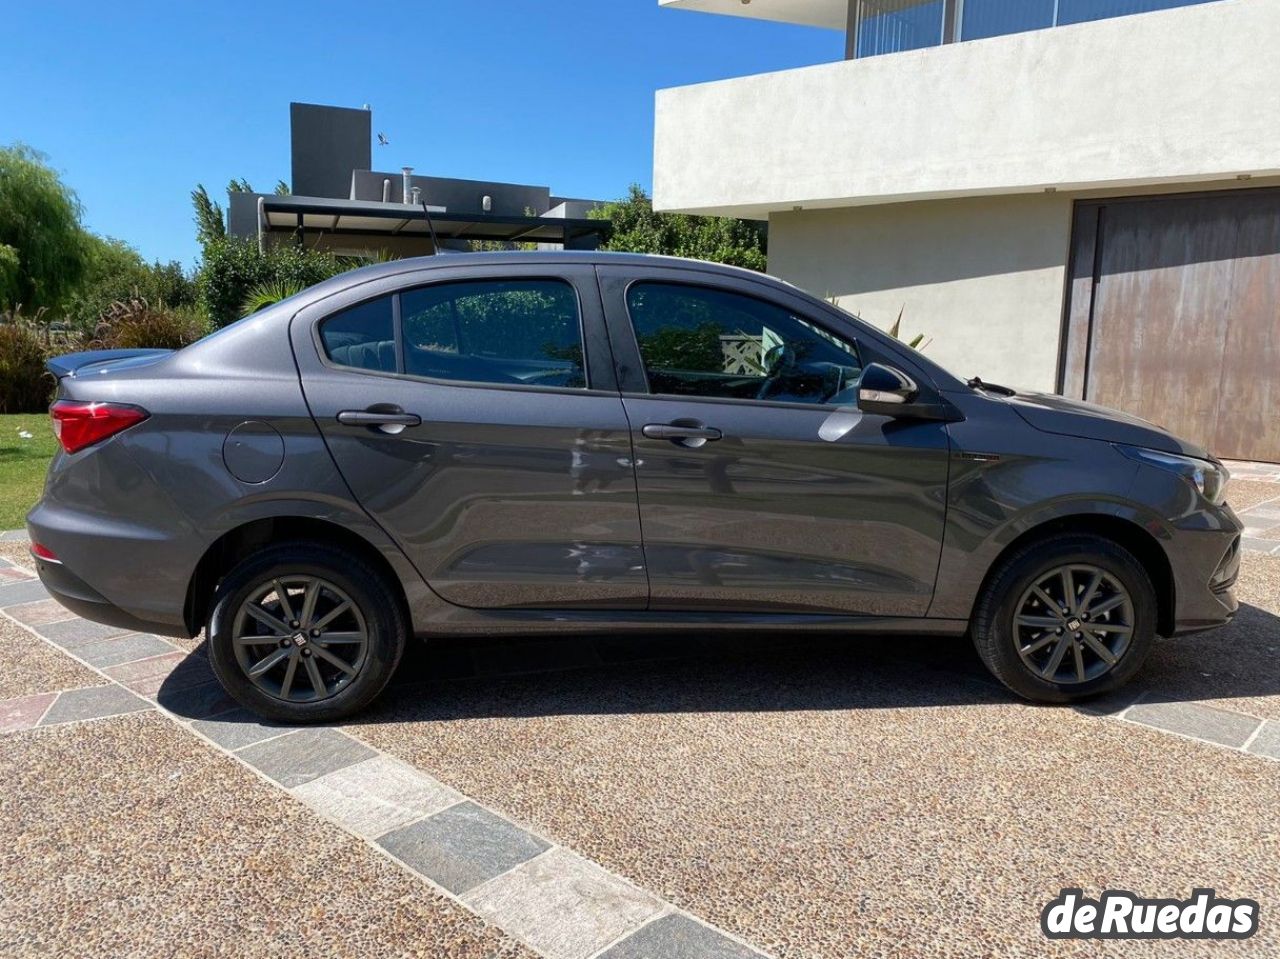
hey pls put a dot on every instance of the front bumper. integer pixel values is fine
(1204, 556)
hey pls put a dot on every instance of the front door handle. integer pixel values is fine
(681, 434)
(387, 420)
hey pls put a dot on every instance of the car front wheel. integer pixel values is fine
(1066, 618)
(305, 632)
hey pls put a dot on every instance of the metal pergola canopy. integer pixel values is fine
(286, 214)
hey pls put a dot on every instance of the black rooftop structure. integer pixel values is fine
(350, 208)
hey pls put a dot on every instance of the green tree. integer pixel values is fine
(638, 229)
(115, 272)
(232, 269)
(210, 227)
(42, 245)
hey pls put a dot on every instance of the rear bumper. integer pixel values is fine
(82, 599)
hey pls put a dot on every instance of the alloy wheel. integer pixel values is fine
(1073, 624)
(299, 638)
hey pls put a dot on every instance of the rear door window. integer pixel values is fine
(519, 332)
(362, 336)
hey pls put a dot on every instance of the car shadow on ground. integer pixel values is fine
(595, 675)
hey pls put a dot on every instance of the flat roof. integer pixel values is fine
(286, 213)
(832, 14)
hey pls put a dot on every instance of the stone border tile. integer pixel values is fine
(93, 702)
(303, 755)
(562, 905)
(14, 574)
(72, 634)
(462, 847)
(123, 649)
(13, 535)
(24, 711)
(678, 937)
(200, 701)
(1192, 719)
(28, 591)
(41, 612)
(376, 796)
(1266, 741)
(238, 728)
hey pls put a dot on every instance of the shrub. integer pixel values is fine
(232, 268)
(135, 324)
(25, 387)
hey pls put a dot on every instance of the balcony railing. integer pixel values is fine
(889, 26)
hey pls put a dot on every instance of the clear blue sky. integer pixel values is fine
(135, 103)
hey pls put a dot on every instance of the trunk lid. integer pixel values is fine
(95, 362)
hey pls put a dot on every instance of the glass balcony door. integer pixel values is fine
(891, 26)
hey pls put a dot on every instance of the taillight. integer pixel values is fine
(77, 425)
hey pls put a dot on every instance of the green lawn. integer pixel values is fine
(23, 463)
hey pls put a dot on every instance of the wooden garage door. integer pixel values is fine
(1174, 315)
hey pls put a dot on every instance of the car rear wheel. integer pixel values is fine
(1066, 618)
(305, 632)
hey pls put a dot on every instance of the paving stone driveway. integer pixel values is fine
(707, 797)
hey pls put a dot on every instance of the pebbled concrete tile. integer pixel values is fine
(1192, 719)
(40, 612)
(462, 847)
(123, 649)
(238, 728)
(376, 796)
(29, 591)
(29, 665)
(562, 905)
(96, 702)
(302, 756)
(131, 838)
(76, 633)
(677, 937)
(1267, 742)
(24, 712)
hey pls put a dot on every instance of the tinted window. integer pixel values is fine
(703, 342)
(362, 336)
(495, 331)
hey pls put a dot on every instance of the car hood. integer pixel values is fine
(1057, 414)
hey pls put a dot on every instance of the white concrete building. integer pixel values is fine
(1071, 195)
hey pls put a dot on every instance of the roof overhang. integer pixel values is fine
(284, 214)
(832, 14)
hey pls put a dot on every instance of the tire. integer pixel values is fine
(242, 640)
(1009, 618)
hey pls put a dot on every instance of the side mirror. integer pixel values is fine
(886, 391)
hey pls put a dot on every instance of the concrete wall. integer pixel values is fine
(984, 278)
(1176, 96)
(327, 143)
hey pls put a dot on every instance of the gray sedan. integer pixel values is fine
(551, 442)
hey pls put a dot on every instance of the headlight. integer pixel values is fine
(1210, 479)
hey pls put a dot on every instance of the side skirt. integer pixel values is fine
(514, 622)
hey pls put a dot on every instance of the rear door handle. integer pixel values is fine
(388, 421)
(684, 435)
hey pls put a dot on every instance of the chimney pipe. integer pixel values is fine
(386, 191)
(417, 195)
(407, 172)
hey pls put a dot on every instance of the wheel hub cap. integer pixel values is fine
(299, 638)
(1073, 624)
